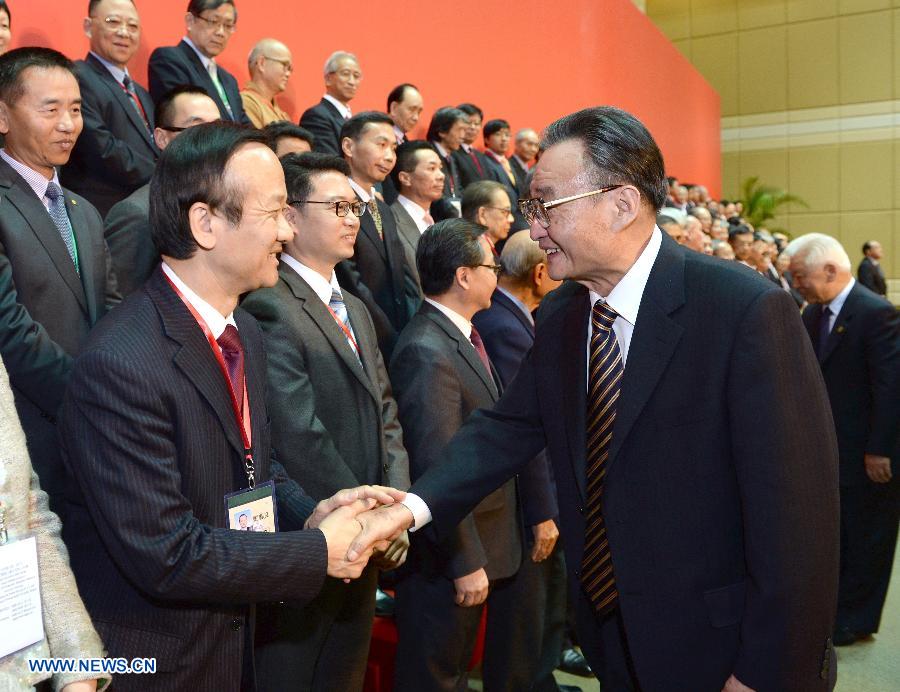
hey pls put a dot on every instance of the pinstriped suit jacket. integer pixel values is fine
(149, 436)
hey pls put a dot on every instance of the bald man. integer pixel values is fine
(270, 66)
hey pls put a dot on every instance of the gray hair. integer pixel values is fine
(331, 63)
(818, 249)
(520, 256)
(520, 135)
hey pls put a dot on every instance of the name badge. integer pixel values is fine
(21, 621)
(253, 509)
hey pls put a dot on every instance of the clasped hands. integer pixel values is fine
(359, 523)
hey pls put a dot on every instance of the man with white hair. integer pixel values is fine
(856, 334)
(526, 148)
(325, 119)
(270, 66)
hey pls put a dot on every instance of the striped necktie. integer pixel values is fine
(604, 382)
(339, 308)
(372, 206)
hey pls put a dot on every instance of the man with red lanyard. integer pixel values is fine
(166, 433)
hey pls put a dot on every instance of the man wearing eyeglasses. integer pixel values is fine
(115, 153)
(702, 551)
(209, 25)
(127, 225)
(270, 65)
(334, 420)
(325, 119)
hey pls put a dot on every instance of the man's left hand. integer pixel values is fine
(735, 685)
(878, 468)
(381, 494)
(545, 535)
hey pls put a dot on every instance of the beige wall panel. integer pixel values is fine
(731, 175)
(812, 64)
(801, 224)
(867, 175)
(897, 175)
(673, 17)
(713, 17)
(756, 13)
(804, 10)
(856, 6)
(762, 70)
(717, 59)
(770, 166)
(684, 47)
(897, 52)
(813, 174)
(858, 227)
(892, 260)
(866, 57)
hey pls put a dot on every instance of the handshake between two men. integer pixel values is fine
(359, 524)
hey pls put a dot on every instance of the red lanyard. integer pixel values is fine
(346, 331)
(241, 414)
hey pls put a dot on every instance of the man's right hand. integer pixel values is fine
(383, 495)
(340, 528)
(384, 523)
(471, 589)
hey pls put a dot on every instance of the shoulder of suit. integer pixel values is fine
(165, 52)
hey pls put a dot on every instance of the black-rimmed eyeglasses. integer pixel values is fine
(341, 207)
(535, 208)
(496, 268)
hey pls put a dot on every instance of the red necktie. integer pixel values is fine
(128, 86)
(475, 338)
(477, 162)
(230, 342)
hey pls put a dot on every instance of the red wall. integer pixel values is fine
(529, 65)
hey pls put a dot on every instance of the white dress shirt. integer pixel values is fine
(399, 134)
(321, 286)
(342, 109)
(213, 318)
(415, 211)
(204, 59)
(117, 72)
(36, 181)
(365, 195)
(837, 304)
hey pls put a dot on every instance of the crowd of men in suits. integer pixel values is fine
(200, 298)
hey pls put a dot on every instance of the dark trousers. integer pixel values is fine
(323, 646)
(603, 642)
(869, 519)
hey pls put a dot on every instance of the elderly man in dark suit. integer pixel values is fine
(856, 334)
(56, 278)
(165, 427)
(209, 25)
(496, 140)
(326, 118)
(702, 548)
(127, 225)
(469, 161)
(870, 272)
(324, 362)
(115, 153)
(441, 374)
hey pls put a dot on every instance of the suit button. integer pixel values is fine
(581, 510)
(236, 624)
(386, 468)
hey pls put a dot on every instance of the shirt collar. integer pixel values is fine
(441, 150)
(321, 286)
(400, 134)
(522, 163)
(625, 298)
(210, 315)
(342, 109)
(458, 320)
(365, 195)
(117, 72)
(835, 305)
(466, 147)
(415, 211)
(205, 60)
(36, 181)
(518, 303)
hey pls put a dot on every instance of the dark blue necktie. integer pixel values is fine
(824, 329)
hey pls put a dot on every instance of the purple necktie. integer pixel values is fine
(230, 342)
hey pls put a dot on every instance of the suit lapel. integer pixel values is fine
(367, 226)
(464, 347)
(256, 378)
(205, 80)
(122, 98)
(654, 340)
(84, 243)
(503, 300)
(368, 352)
(574, 375)
(35, 214)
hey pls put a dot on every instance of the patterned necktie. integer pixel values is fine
(604, 381)
(339, 308)
(60, 218)
(824, 329)
(475, 338)
(233, 351)
(135, 101)
(376, 216)
(214, 75)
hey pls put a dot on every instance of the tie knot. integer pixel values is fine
(54, 191)
(336, 296)
(603, 316)
(475, 337)
(126, 81)
(230, 340)
(825, 311)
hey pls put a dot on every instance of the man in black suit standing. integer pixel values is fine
(56, 278)
(404, 105)
(115, 153)
(702, 549)
(870, 273)
(445, 132)
(441, 374)
(856, 334)
(496, 142)
(324, 363)
(469, 161)
(526, 146)
(165, 430)
(325, 120)
(377, 273)
(209, 25)
(127, 225)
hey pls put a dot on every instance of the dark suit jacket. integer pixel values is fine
(439, 381)
(508, 337)
(861, 365)
(468, 171)
(409, 236)
(453, 189)
(172, 66)
(316, 382)
(325, 122)
(149, 435)
(499, 174)
(127, 231)
(721, 498)
(520, 172)
(115, 153)
(378, 275)
(47, 309)
(872, 276)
